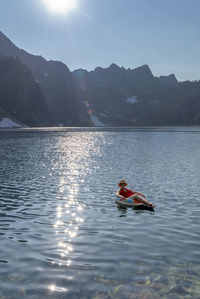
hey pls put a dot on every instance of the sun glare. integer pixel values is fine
(60, 6)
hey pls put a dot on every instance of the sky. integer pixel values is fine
(161, 33)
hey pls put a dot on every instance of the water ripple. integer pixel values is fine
(61, 233)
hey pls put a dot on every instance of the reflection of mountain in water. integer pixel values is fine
(115, 96)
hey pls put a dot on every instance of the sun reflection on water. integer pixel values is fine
(54, 288)
(67, 223)
(75, 158)
(74, 168)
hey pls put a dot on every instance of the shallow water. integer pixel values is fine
(61, 233)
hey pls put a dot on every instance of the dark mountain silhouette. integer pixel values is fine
(119, 96)
(112, 96)
(20, 97)
(54, 79)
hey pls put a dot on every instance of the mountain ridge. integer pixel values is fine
(108, 96)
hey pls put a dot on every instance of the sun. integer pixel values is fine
(60, 6)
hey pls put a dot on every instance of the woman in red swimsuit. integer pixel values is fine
(124, 193)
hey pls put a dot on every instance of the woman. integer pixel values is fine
(137, 197)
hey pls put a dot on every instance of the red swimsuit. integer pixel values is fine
(126, 192)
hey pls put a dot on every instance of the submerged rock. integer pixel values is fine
(148, 294)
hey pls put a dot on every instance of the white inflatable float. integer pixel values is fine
(129, 203)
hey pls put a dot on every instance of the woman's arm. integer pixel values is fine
(141, 194)
(118, 194)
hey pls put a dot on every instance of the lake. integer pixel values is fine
(61, 233)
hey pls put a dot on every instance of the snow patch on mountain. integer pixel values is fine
(103, 114)
(132, 100)
(96, 121)
(8, 123)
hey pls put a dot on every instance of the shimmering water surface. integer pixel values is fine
(61, 233)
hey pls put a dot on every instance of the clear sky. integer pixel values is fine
(165, 34)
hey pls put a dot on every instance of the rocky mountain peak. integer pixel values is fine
(171, 79)
(7, 47)
(143, 69)
(114, 67)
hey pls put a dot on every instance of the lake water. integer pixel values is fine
(61, 233)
